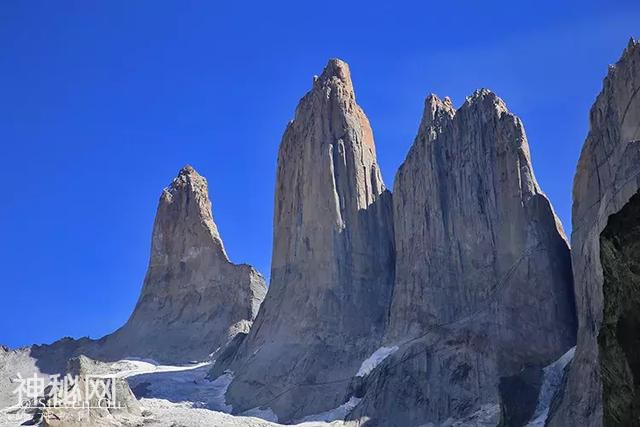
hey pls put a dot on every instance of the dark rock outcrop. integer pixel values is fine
(602, 388)
(332, 267)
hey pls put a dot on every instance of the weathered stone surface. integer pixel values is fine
(332, 267)
(602, 384)
(440, 377)
(194, 300)
(124, 409)
(519, 396)
(483, 283)
(475, 233)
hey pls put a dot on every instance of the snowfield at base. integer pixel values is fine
(266, 414)
(187, 386)
(552, 380)
(487, 415)
(183, 395)
(375, 359)
(129, 367)
(338, 413)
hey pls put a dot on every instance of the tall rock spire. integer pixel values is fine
(194, 300)
(483, 284)
(332, 267)
(469, 215)
(602, 388)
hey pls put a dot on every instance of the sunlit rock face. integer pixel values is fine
(475, 234)
(332, 267)
(194, 300)
(483, 285)
(602, 384)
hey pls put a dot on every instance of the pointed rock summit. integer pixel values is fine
(473, 227)
(194, 300)
(483, 285)
(603, 385)
(332, 267)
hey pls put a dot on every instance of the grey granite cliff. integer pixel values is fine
(483, 295)
(332, 267)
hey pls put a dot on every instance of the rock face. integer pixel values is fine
(332, 267)
(122, 409)
(194, 300)
(483, 284)
(602, 388)
(474, 232)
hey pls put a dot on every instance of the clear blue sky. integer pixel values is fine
(102, 102)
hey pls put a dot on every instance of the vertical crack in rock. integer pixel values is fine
(332, 267)
(618, 340)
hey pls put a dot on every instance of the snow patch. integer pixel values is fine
(552, 379)
(130, 367)
(336, 414)
(488, 415)
(375, 359)
(175, 386)
(266, 414)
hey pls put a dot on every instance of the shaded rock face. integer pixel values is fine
(194, 300)
(332, 267)
(483, 284)
(440, 377)
(519, 396)
(607, 177)
(619, 341)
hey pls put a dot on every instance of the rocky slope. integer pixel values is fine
(332, 267)
(483, 294)
(602, 388)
